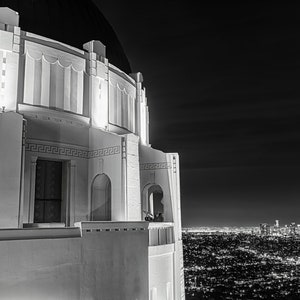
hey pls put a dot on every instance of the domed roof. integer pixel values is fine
(72, 22)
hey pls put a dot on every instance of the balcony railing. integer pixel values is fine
(159, 233)
(97, 226)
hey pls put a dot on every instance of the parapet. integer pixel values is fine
(9, 16)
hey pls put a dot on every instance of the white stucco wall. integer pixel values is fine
(163, 169)
(90, 151)
(40, 269)
(65, 89)
(49, 139)
(154, 171)
(116, 266)
(99, 265)
(11, 130)
(122, 101)
(9, 68)
(109, 163)
(161, 272)
(133, 195)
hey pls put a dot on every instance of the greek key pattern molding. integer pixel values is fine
(155, 166)
(71, 151)
(104, 152)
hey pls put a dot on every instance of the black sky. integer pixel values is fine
(223, 91)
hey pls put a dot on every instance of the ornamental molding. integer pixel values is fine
(155, 166)
(69, 150)
(48, 114)
(104, 152)
(56, 150)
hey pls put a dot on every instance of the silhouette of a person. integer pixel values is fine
(148, 217)
(160, 217)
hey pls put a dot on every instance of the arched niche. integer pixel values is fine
(101, 198)
(153, 201)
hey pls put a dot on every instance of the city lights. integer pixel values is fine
(242, 263)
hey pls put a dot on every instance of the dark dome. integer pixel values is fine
(72, 22)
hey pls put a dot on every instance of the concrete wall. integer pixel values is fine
(45, 126)
(133, 195)
(40, 269)
(174, 180)
(49, 139)
(109, 162)
(65, 89)
(9, 68)
(161, 272)
(115, 264)
(154, 171)
(158, 168)
(122, 101)
(11, 130)
(102, 265)
(74, 112)
(85, 152)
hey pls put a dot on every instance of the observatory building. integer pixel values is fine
(88, 209)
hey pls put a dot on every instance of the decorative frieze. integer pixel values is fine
(104, 152)
(155, 166)
(57, 150)
(70, 150)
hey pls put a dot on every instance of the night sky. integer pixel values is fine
(223, 91)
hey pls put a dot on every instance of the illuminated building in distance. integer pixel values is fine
(265, 229)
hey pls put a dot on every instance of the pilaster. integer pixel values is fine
(97, 70)
(142, 114)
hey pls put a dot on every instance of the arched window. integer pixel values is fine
(101, 198)
(153, 203)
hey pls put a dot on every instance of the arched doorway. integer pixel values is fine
(101, 198)
(153, 201)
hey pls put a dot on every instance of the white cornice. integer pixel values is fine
(48, 114)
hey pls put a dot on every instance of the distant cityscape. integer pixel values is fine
(277, 230)
(264, 229)
(261, 262)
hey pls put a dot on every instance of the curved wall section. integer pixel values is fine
(53, 78)
(41, 72)
(122, 102)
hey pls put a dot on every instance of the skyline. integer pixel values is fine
(221, 85)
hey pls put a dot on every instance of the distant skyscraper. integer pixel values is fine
(284, 230)
(265, 229)
(292, 229)
(276, 228)
(298, 229)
